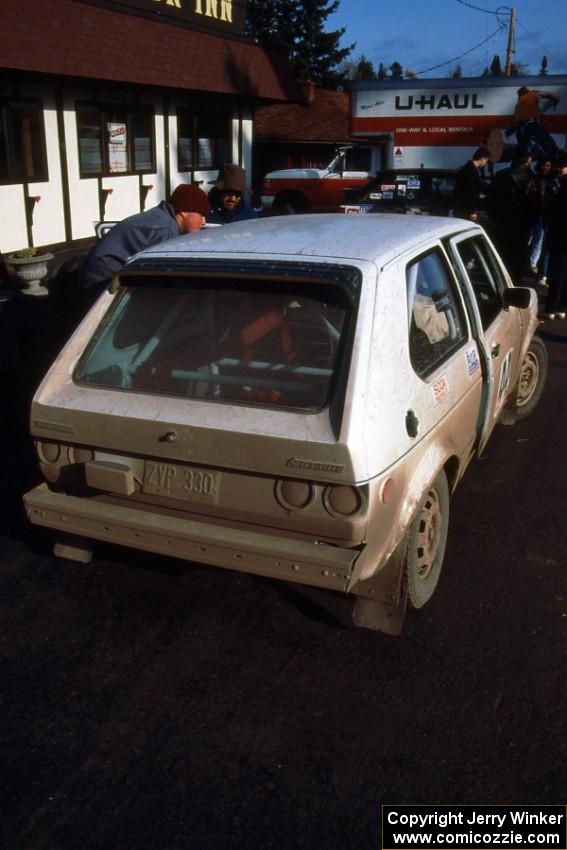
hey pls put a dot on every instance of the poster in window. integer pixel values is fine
(117, 147)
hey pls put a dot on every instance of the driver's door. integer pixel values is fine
(499, 329)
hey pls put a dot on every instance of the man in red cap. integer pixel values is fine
(185, 212)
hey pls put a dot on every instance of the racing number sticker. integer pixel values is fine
(473, 363)
(504, 375)
(440, 389)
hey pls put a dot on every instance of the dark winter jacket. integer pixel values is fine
(126, 238)
(468, 187)
(546, 188)
(512, 199)
(557, 232)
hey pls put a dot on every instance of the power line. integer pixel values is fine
(562, 64)
(466, 53)
(478, 8)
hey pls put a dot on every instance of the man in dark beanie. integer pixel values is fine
(469, 185)
(228, 197)
(185, 212)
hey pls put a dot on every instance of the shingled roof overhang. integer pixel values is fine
(322, 118)
(72, 39)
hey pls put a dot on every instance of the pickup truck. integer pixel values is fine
(291, 397)
(300, 190)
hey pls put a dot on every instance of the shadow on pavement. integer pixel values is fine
(31, 334)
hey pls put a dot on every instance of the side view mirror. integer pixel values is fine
(517, 296)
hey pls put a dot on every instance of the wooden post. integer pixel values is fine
(510, 47)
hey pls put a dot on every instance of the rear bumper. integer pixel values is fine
(266, 554)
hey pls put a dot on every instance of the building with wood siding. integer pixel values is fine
(107, 106)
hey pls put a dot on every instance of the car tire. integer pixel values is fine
(533, 375)
(290, 204)
(426, 542)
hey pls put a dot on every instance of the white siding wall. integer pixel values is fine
(48, 226)
(247, 127)
(123, 198)
(13, 233)
(235, 141)
(158, 189)
(48, 222)
(83, 193)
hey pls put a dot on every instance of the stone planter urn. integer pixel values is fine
(30, 269)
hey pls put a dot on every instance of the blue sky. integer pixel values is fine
(422, 33)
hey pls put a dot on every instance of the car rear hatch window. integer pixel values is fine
(263, 340)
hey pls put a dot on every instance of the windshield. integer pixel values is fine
(271, 342)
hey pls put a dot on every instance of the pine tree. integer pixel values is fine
(364, 69)
(382, 73)
(396, 71)
(495, 67)
(543, 69)
(297, 28)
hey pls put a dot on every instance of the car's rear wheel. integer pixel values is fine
(426, 543)
(533, 375)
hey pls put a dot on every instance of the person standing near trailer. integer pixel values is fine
(556, 302)
(469, 185)
(512, 209)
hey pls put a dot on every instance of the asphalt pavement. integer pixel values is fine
(149, 704)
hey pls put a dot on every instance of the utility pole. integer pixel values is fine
(510, 47)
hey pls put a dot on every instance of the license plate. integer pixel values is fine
(187, 483)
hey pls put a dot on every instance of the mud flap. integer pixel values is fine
(509, 413)
(73, 548)
(382, 600)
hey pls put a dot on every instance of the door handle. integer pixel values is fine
(495, 350)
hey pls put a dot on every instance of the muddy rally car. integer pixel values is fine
(291, 397)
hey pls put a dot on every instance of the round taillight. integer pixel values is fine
(342, 500)
(80, 455)
(294, 495)
(48, 452)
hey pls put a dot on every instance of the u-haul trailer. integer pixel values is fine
(437, 123)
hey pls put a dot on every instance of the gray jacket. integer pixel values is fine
(124, 240)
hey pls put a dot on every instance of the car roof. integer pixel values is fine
(333, 237)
